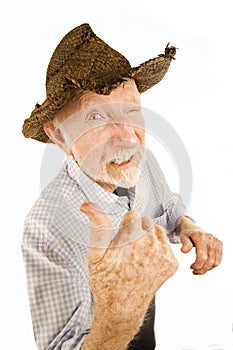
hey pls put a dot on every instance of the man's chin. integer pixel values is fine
(125, 183)
(126, 179)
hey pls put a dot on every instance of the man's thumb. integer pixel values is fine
(100, 230)
(186, 242)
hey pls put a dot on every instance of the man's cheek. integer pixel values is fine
(141, 136)
(91, 161)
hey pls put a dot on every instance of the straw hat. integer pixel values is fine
(82, 61)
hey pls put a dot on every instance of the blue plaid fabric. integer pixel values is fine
(55, 241)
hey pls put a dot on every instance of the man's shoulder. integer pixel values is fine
(52, 206)
(56, 212)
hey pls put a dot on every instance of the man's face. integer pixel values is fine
(105, 134)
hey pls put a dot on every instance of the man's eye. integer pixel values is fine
(134, 109)
(95, 116)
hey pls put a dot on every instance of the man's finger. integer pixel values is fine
(147, 224)
(158, 232)
(100, 230)
(186, 242)
(218, 249)
(214, 258)
(130, 229)
(209, 264)
(161, 233)
(128, 217)
(201, 255)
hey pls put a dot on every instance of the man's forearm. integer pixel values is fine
(185, 223)
(111, 332)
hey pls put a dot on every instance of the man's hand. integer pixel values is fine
(208, 248)
(126, 272)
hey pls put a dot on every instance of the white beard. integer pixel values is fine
(106, 169)
(126, 178)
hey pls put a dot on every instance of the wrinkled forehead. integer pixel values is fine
(126, 93)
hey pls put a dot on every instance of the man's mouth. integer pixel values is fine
(121, 162)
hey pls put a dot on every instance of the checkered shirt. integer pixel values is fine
(55, 241)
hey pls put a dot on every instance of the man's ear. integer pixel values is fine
(55, 135)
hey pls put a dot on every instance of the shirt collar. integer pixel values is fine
(93, 191)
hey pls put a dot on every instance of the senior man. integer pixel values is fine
(95, 243)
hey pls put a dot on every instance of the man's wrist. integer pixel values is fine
(186, 223)
(118, 320)
(190, 219)
(110, 331)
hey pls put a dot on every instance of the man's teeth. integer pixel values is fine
(119, 161)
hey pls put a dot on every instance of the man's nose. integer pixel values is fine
(124, 132)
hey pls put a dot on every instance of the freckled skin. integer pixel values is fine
(125, 275)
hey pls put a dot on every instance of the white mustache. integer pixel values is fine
(122, 155)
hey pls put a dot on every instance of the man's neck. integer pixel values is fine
(108, 187)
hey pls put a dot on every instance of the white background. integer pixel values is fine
(193, 312)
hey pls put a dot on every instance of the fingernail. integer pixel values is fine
(89, 207)
(85, 208)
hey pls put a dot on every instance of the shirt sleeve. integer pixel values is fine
(58, 291)
(171, 203)
(175, 210)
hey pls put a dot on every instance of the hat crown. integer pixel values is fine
(67, 46)
(82, 60)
